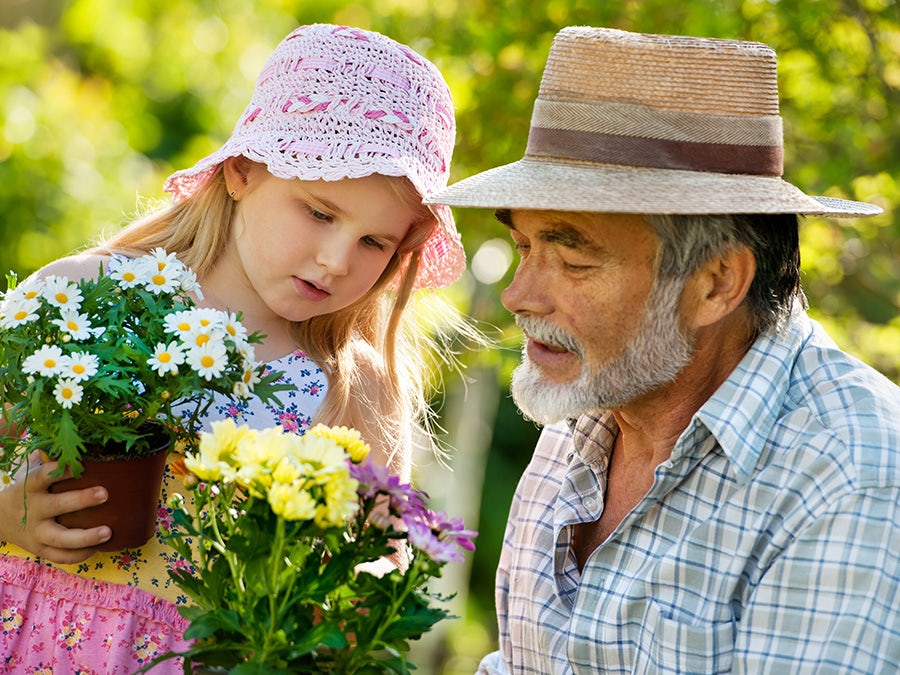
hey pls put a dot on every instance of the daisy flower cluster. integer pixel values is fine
(87, 362)
(280, 541)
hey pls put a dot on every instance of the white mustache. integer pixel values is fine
(545, 332)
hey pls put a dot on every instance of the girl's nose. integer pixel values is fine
(334, 255)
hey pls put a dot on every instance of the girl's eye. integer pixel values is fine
(373, 243)
(318, 215)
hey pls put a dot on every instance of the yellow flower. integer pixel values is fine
(341, 500)
(291, 503)
(257, 456)
(349, 439)
(215, 459)
(286, 472)
(320, 452)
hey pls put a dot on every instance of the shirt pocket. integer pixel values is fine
(667, 645)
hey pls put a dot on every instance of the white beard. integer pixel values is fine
(659, 350)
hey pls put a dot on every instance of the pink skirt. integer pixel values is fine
(55, 622)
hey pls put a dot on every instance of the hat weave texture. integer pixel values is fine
(635, 123)
(335, 102)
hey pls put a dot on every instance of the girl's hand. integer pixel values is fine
(30, 498)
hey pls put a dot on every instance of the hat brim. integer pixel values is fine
(573, 186)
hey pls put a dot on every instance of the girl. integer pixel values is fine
(309, 220)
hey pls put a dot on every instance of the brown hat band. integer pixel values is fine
(607, 134)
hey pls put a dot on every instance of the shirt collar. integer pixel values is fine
(744, 409)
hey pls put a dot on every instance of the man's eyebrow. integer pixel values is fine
(564, 235)
(559, 232)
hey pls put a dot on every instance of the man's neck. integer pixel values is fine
(651, 425)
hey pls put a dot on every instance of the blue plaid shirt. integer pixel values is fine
(768, 543)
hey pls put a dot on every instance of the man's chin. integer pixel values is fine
(541, 401)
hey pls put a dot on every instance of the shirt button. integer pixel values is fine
(590, 503)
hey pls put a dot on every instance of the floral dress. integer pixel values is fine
(117, 611)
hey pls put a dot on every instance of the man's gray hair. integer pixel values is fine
(690, 241)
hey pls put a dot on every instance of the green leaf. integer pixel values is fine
(205, 624)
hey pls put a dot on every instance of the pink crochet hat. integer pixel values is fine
(334, 102)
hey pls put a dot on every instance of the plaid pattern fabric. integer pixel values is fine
(769, 542)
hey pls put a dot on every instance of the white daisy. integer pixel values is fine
(207, 317)
(251, 373)
(189, 283)
(247, 351)
(30, 289)
(244, 387)
(165, 280)
(45, 361)
(166, 358)
(79, 366)
(75, 324)
(159, 260)
(234, 328)
(128, 272)
(208, 360)
(179, 323)
(16, 311)
(68, 393)
(62, 293)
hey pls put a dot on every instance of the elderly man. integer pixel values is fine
(717, 485)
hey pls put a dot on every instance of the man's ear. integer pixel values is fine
(720, 286)
(236, 170)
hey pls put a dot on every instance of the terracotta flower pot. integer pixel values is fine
(133, 483)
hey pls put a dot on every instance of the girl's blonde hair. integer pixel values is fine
(375, 360)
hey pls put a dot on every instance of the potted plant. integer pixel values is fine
(281, 542)
(120, 366)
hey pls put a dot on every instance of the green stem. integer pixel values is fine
(218, 541)
(275, 562)
(362, 651)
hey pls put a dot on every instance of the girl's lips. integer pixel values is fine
(309, 290)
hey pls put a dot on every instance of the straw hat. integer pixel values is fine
(635, 123)
(335, 102)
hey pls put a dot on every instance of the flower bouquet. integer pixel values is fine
(95, 368)
(278, 539)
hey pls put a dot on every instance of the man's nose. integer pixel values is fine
(528, 291)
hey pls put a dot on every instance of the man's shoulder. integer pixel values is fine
(851, 403)
(797, 389)
(840, 388)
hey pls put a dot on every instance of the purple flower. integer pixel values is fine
(422, 538)
(377, 480)
(455, 530)
(438, 536)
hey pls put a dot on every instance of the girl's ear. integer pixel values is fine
(720, 286)
(236, 170)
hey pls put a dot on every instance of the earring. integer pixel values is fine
(232, 193)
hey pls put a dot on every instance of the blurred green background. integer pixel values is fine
(101, 99)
